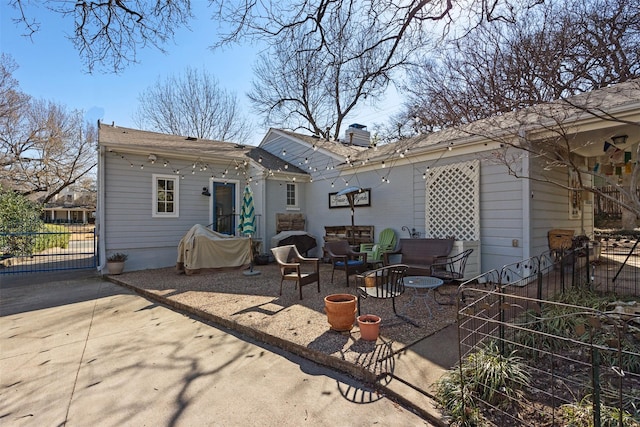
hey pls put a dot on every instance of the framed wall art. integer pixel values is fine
(361, 199)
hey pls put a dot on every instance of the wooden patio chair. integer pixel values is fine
(296, 268)
(374, 251)
(344, 258)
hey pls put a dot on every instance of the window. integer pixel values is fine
(291, 196)
(165, 196)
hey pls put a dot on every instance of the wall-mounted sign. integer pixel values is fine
(362, 198)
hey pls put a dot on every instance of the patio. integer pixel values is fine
(251, 305)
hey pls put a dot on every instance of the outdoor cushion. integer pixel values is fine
(349, 262)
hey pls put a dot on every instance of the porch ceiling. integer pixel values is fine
(591, 143)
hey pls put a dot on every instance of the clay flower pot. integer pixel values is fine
(115, 267)
(341, 311)
(369, 326)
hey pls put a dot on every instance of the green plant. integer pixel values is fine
(117, 257)
(19, 221)
(580, 414)
(52, 236)
(455, 397)
(485, 375)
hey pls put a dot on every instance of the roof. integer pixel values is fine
(599, 104)
(336, 147)
(135, 140)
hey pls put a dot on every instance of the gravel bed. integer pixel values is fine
(253, 302)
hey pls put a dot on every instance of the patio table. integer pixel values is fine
(423, 288)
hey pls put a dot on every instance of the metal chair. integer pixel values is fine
(451, 269)
(382, 283)
(344, 258)
(296, 268)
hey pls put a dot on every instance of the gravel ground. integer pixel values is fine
(253, 302)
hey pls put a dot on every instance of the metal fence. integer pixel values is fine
(608, 207)
(568, 319)
(51, 248)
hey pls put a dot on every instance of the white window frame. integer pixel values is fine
(295, 195)
(176, 196)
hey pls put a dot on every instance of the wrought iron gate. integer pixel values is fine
(53, 248)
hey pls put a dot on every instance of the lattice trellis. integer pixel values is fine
(453, 201)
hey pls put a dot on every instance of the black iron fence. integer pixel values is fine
(50, 248)
(607, 204)
(571, 322)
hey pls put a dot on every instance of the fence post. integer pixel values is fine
(595, 378)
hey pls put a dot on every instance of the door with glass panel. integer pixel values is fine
(224, 207)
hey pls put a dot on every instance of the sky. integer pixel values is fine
(50, 68)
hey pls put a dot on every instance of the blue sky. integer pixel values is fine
(50, 68)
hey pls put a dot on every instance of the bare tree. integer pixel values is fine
(546, 136)
(313, 85)
(44, 147)
(547, 53)
(108, 34)
(192, 104)
(327, 57)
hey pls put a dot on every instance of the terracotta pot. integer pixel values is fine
(115, 267)
(341, 311)
(369, 326)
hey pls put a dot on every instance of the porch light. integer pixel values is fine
(205, 192)
(619, 139)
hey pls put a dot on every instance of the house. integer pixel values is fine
(72, 206)
(457, 182)
(152, 188)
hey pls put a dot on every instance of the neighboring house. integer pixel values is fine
(70, 207)
(448, 183)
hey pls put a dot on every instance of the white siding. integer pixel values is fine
(550, 210)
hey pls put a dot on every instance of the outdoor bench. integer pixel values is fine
(419, 254)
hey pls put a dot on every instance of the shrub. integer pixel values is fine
(485, 375)
(19, 220)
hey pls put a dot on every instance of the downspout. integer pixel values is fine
(527, 195)
(100, 210)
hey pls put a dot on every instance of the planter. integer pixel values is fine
(115, 267)
(262, 259)
(371, 280)
(341, 311)
(369, 327)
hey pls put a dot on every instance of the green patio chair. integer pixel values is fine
(386, 243)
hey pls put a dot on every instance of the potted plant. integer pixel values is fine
(115, 262)
(369, 326)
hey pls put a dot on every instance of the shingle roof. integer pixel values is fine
(336, 147)
(580, 107)
(116, 137)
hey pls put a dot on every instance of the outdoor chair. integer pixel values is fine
(296, 268)
(386, 243)
(382, 283)
(344, 258)
(450, 269)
